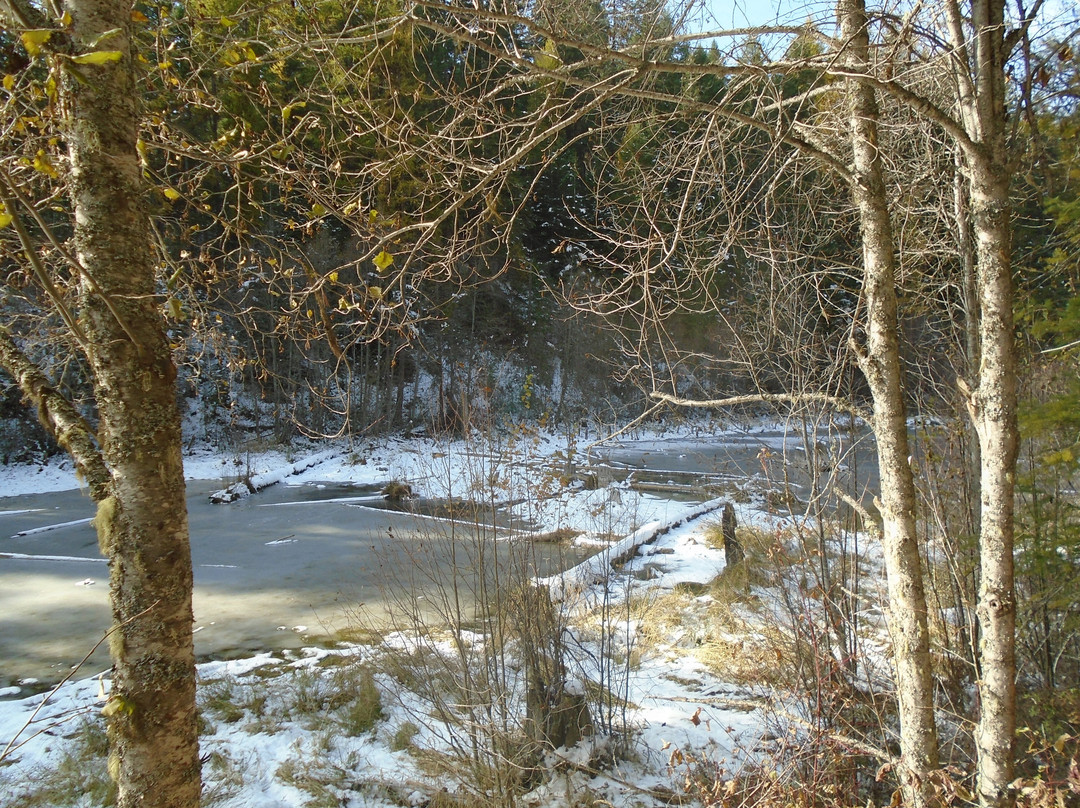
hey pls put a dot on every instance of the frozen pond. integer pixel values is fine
(276, 570)
(294, 563)
(768, 459)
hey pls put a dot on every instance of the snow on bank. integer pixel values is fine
(258, 741)
(378, 459)
(264, 757)
(56, 474)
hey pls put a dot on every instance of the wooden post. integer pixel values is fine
(733, 551)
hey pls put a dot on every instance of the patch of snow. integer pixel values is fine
(56, 474)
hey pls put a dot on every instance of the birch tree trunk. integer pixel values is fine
(979, 65)
(994, 405)
(142, 526)
(142, 516)
(879, 360)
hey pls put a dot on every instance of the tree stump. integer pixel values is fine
(733, 551)
(555, 714)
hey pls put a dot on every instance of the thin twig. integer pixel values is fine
(752, 704)
(73, 260)
(39, 270)
(867, 517)
(1065, 347)
(630, 425)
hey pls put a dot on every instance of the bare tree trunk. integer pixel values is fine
(879, 360)
(142, 525)
(980, 69)
(399, 402)
(137, 475)
(994, 406)
(970, 446)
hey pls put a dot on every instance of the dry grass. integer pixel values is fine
(223, 778)
(402, 739)
(320, 781)
(563, 535)
(79, 777)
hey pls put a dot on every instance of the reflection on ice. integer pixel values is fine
(258, 565)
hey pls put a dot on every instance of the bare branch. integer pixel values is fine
(839, 404)
(57, 415)
(39, 269)
(68, 256)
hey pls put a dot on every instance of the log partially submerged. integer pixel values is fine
(257, 482)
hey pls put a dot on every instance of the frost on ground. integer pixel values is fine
(669, 668)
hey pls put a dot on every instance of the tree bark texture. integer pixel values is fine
(995, 408)
(142, 523)
(993, 403)
(879, 360)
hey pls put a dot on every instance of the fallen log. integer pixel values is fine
(257, 482)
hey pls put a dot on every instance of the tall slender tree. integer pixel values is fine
(651, 92)
(132, 457)
(879, 359)
(981, 46)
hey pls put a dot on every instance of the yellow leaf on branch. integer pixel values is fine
(98, 57)
(33, 40)
(42, 164)
(383, 261)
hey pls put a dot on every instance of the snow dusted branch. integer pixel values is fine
(840, 404)
(598, 567)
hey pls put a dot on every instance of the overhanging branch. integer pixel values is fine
(839, 404)
(57, 415)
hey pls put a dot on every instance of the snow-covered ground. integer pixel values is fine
(277, 732)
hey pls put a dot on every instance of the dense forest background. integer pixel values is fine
(274, 199)
(277, 200)
(279, 182)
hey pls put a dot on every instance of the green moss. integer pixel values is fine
(104, 523)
